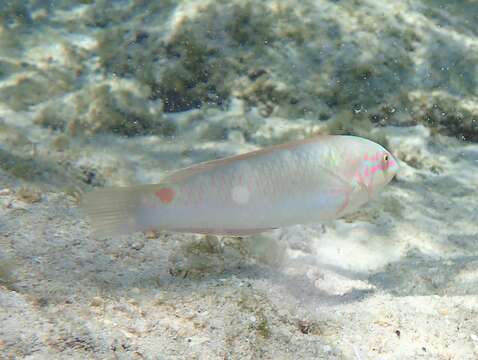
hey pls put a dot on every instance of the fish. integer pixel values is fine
(307, 181)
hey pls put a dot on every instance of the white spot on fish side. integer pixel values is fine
(240, 194)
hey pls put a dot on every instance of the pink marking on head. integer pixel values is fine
(376, 168)
(391, 163)
(166, 195)
(366, 172)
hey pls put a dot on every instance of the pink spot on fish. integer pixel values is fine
(376, 168)
(166, 195)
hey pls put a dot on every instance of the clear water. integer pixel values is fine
(114, 93)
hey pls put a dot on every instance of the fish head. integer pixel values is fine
(376, 168)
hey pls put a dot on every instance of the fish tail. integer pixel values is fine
(116, 211)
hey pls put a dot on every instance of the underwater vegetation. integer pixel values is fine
(307, 60)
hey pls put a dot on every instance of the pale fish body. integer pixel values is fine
(301, 182)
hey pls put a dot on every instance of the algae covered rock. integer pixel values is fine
(28, 90)
(104, 108)
(438, 110)
(118, 112)
(311, 59)
(14, 13)
(446, 113)
(121, 67)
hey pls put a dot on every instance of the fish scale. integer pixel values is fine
(300, 182)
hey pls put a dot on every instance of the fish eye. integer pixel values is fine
(386, 157)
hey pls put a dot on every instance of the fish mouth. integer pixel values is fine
(394, 165)
(392, 169)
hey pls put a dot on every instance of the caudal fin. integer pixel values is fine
(116, 211)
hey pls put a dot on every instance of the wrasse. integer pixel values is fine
(300, 182)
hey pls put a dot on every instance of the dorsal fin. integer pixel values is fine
(185, 173)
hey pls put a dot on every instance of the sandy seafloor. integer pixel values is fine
(98, 93)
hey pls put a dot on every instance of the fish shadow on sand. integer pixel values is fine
(420, 275)
(56, 260)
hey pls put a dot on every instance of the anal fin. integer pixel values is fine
(228, 232)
